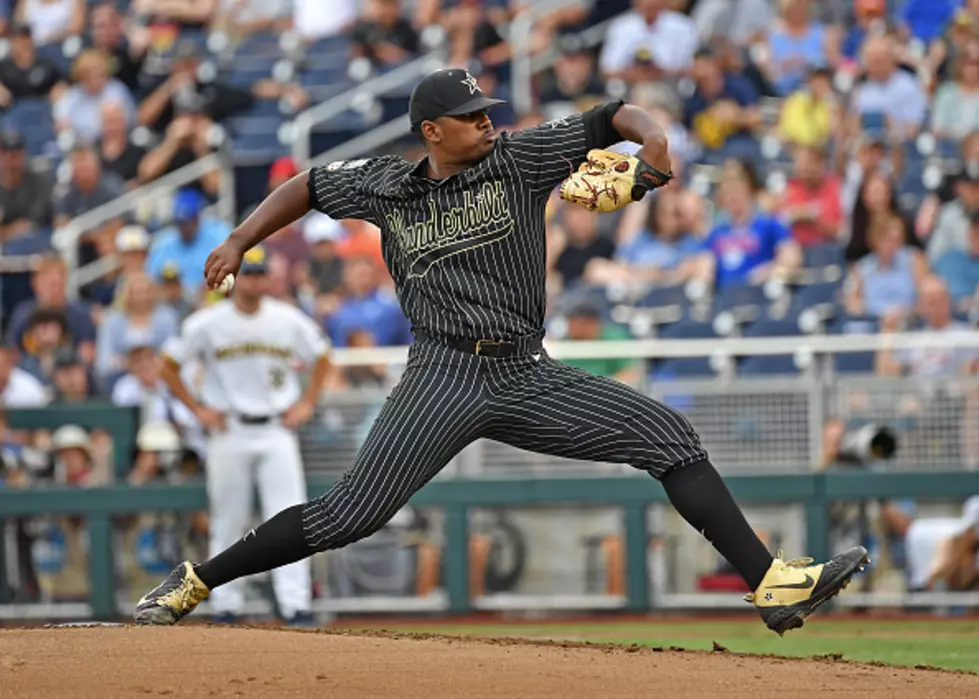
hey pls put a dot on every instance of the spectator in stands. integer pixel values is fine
(888, 91)
(90, 186)
(797, 43)
(125, 46)
(471, 28)
(80, 107)
(18, 389)
(325, 266)
(117, 152)
(25, 196)
(24, 74)
(46, 334)
(315, 19)
(887, 279)
(186, 14)
(141, 387)
(72, 383)
(952, 174)
(187, 139)
(242, 18)
(185, 93)
(49, 283)
(811, 203)
(876, 202)
(959, 269)
(383, 35)
(945, 49)
(366, 307)
(869, 16)
(172, 291)
(662, 252)
(585, 323)
(132, 244)
(51, 21)
(955, 112)
(721, 110)
(576, 234)
(572, 78)
(935, 311)
(742, 22)
(952, 228)
(141, 321)
(648, 43)
(749, 246)
(188, 242)
(925, 19)
(811, 115)
(289, 242)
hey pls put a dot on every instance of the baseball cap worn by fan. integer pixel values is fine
(254, 262)
(447, 92)
(187, 205)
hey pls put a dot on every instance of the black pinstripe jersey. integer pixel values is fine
(467, 252)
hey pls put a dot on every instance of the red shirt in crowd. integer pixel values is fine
(825, 207)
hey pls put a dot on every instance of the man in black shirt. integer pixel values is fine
(23, 74)
(383, 35)
(25, 196)
(463, 238)
(126, 54)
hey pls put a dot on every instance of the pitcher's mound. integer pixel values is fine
(194, 662)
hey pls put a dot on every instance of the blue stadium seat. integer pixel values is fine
(246, 77)
(854, 362)
(772, 364)
(323, 76)
(685, 367)
(817, 256)
(746, 301)
(824, 296)
(249, 125)
(264, 147)
(261, 44)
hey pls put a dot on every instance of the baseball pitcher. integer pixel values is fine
(251, 404)
(463, 237)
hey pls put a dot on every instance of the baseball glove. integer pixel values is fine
(608, 181)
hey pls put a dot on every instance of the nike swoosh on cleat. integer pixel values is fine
(794, 586)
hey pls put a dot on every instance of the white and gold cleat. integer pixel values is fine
(173, 599)
(792, 590)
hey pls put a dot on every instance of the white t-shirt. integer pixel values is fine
(251, 363)
(23, 391)
(671, 41)
(315, 19)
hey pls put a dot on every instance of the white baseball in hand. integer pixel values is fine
(227, 284)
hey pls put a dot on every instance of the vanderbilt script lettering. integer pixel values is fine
(483, 218)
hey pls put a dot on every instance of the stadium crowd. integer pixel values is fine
(826, 158)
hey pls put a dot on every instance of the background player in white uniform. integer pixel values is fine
(252, 348)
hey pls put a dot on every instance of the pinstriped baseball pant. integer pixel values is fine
(447, 399)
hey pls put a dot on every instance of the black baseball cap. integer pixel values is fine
(448, 92)
(11, 140)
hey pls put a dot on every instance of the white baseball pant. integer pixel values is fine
(238, 460)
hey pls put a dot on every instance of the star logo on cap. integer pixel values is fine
(471, 83)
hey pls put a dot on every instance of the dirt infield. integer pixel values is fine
(191, 662)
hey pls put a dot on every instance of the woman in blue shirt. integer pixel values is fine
(748, 246)
(797, 44)
(141, 322)
(886, 280)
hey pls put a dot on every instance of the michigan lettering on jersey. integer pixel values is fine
(247, 349)
(483, 218)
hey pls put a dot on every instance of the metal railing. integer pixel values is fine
(67, 237)
(306, 121)
(804, 345)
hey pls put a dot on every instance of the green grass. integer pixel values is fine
(946, 644)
